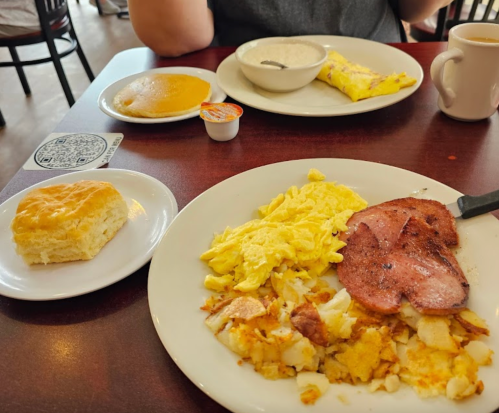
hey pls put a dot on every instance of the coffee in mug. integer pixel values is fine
(467, 74)
(483, 39)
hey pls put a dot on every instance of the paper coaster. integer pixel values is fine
(74, 151)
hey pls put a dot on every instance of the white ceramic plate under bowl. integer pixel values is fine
(152, 207)
(107, 95)
(318, 98)
(176, 290)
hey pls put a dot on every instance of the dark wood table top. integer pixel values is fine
(99, 352)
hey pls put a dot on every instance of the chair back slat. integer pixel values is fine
(474, 7)
(488, 10)
(458, 10)
(443, 15)
(480, 10)
(51, 10)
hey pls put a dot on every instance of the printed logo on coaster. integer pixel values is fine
(75, 151)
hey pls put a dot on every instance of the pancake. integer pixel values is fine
(162, 95)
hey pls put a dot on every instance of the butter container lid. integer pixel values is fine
(220, 112)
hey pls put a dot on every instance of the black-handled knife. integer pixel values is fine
(469, 206)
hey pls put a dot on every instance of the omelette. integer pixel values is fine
(359, 82)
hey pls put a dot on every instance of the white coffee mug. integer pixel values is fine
(467, 74)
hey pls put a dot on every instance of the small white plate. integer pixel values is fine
(107, 95)
(318, 98)
(176, 290)
(152, 207)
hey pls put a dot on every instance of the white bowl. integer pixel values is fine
(280, 80)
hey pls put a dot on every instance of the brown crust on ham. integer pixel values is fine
(387, 219)
(393, 251)
(306, 319)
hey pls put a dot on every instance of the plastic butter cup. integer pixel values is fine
(221, 120)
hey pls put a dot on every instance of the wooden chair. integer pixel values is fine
(56, 24)
(436, 27)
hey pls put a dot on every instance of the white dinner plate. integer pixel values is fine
(107, 95)
(318, 98)
(176, 290)
(152, 207)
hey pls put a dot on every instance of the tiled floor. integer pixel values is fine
(31, 119)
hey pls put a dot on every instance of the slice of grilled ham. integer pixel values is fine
(400, 248)
(388, 218)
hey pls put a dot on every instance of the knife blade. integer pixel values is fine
(468, 206)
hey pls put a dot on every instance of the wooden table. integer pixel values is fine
(99, 352)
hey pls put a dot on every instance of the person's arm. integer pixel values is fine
(172, 27)
(413, 11)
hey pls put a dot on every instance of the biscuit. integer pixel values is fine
(67, 222)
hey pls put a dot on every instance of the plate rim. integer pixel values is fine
(247, 98)
(171, 207)
(127, 79)
(207, 387)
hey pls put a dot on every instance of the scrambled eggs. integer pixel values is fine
(298, 230)
(359, 82)
(277, 313)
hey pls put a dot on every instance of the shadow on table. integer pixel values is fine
(79, 309)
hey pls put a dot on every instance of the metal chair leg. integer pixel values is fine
(60, 70)
(99, 8)
(81, 55)
(2, 120)
(84, 63)
(20, 71)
